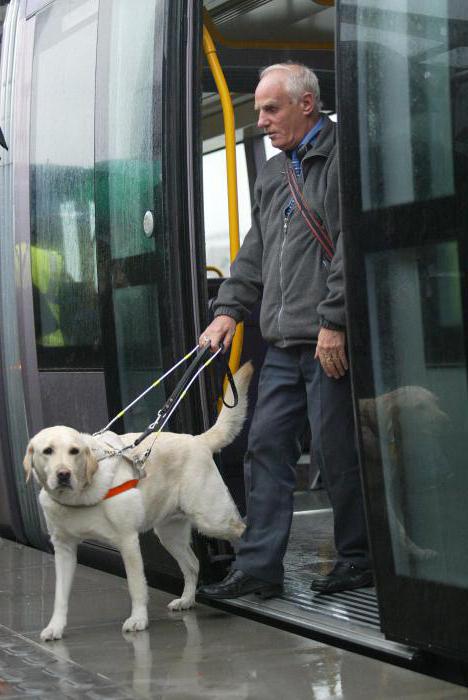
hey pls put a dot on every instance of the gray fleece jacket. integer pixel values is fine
(280, 260)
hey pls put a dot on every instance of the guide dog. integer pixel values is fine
(182, 488)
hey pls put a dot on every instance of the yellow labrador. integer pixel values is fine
(183, 488)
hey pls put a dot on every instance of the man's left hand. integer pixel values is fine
(331, 352)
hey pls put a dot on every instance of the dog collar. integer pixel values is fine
(131, 484)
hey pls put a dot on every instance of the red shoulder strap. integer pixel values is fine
(121, 488)
(312, 219)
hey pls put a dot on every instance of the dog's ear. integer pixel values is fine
(28, 462)
(91, 465)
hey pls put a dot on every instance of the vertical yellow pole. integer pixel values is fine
(230, 136)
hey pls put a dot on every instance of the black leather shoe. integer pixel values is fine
(236, 584)
(344, 576)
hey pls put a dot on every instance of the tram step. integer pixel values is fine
(350, 617)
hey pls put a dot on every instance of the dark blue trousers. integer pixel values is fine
(292, 387)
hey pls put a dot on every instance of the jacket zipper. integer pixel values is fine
(285, 230)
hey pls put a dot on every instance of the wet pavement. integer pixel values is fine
(201, 653)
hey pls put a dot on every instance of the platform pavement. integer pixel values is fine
(202, 653)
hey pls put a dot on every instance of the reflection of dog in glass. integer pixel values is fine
(389, 419)
(183, 488)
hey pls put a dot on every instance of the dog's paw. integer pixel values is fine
(51, 632)
(424, 554)
(181, 603)
(135, 623)
(419, 553)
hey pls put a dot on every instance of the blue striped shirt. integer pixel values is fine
(310, 137)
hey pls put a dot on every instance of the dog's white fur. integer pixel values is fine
(183, 488)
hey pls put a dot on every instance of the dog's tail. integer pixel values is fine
(231, 420)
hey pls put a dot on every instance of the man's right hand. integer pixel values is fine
(220, 330)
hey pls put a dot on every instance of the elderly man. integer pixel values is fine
(292, 258)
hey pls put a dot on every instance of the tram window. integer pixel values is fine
(63, 254)
(442, 313)
(270, 150)
(416, 314)
(413, 63)
(404, 70)
(215, 204)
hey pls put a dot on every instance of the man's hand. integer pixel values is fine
(331, 352)
(220, 330)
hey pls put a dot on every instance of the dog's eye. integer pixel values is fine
(74, 450)
(47, 451)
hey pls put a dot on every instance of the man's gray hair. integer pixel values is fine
(299, 79)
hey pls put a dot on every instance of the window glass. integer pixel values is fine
(63, 251)
(270, 150)
(128, 185)
(405, 119)
(412, 67)
(421, 406)
(129, 169)
(215, 201)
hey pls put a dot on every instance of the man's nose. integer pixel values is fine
(262, 121)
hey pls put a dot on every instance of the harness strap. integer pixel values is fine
(312, 219)
(151, 386)
(192, 372)
(183, 384)
(126, 486)
(178, 393)
(196, 367)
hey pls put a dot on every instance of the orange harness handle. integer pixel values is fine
(121, 488)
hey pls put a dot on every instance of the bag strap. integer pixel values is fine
(310, 216)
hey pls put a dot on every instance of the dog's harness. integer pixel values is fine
(195, 368)
(111, 449)
(130, 484)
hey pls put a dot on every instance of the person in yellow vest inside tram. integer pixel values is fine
(47, 268)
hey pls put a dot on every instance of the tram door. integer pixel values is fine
(107, 267)
(97, 268)
(403, 106)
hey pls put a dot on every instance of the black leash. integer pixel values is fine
(203, 357)
(227, 371)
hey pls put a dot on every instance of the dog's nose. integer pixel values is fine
(63, 476)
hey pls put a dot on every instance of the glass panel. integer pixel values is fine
(215, 202)
(270, 150)
(63, 246)
(128, 176)
(412, 144)
(420, 412)
(12, 266)
(405, 120)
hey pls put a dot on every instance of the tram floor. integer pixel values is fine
(350, 618)
(201, 653)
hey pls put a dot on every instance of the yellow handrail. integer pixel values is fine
(230, 136)
(215, 269)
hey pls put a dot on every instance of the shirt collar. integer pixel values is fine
(313, 133)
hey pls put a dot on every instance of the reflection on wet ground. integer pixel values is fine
(202, 653)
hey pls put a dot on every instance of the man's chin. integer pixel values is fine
(278, 143)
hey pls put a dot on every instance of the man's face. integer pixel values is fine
(285, 121)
